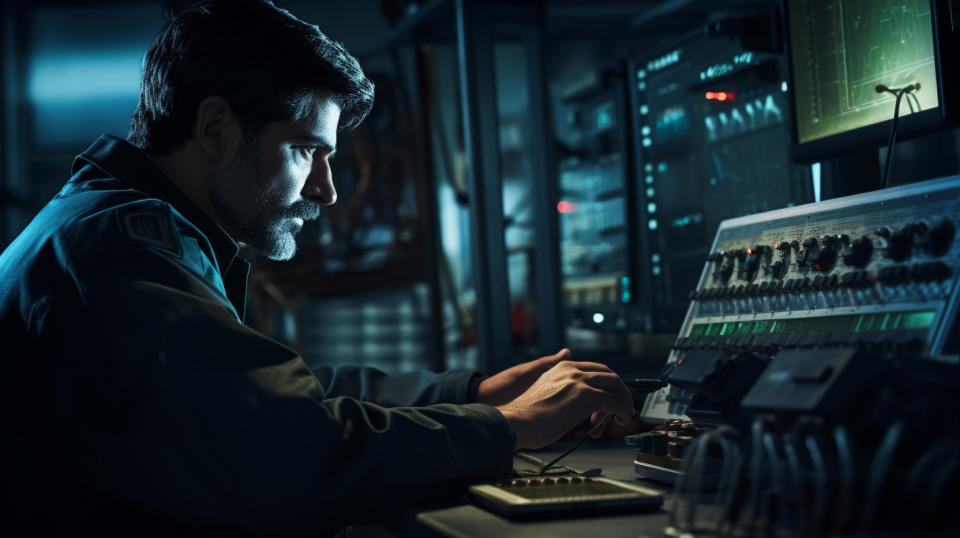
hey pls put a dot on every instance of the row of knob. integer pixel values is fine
(771, 343)
(893, 274)
(822, 254)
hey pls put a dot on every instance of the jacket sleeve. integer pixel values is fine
(179, 409)
(406, 389)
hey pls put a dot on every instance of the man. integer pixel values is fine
(136, 401)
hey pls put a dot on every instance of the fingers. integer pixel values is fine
(613, 397)
(550, 360)
(599, 421)
(589, 366)
(609, 382)
(612, 403)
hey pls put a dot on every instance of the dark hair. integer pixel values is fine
(260, 58)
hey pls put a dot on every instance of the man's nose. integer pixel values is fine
(319, 185)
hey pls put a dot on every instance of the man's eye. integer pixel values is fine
(306, 151)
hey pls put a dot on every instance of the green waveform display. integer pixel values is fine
(842, 49)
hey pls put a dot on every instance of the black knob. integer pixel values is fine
(783, 247)
(836, 242)
(900, 244)
(823, 259)
(749, 265)
(810, 242)
(778, 269)
(940, 237)
(857, 254)
(723, 271)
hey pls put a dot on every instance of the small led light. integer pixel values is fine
(719, 96)
(598, 318)
(566, 207)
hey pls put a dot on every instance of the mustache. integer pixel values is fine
(305, 209)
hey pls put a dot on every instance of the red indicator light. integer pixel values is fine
(719, 96)
(679, 362)
(564, 206)
(749, 252)
(816, 266)
(776, 246)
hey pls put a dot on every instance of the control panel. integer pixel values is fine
(874, 270)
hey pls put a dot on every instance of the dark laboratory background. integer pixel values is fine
(547, 174)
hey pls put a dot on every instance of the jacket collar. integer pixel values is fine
(121, 160)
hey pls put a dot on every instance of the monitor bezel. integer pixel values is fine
(876, 135)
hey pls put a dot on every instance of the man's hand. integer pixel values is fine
(561, 398)
(512, 382)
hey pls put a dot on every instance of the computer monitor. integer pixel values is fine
(841, 50)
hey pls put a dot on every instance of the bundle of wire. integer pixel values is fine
(807, 482)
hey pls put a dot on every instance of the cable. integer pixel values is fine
(796, 479)
(919, 476)
(899, 93)
(878, 470)
(820, 484)
(777, 479)
(538, 462)
(915, 100)
(695, 466)
(733, 465)
(848, 473)
(593, 431)
(680, 490)
(756, 472)
(697, 472)
(935, 490)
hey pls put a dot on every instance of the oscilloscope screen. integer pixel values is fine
(842, 49)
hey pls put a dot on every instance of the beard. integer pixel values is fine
(254, 210)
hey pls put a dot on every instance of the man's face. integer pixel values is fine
(279, 181)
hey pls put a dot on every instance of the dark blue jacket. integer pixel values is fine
(132, 390)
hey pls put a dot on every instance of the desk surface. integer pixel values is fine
(613, 457)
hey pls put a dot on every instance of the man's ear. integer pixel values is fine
(217, 130)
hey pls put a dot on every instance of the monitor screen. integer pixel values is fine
(842, 49)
